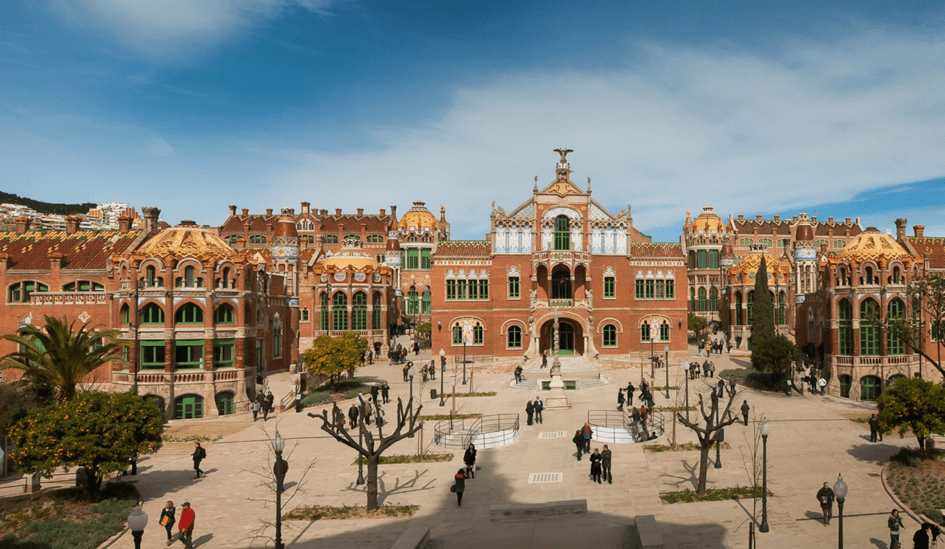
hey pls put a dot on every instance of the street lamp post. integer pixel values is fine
(840, 491)
(765, 429)
(687, 394)
(666, 350)
(279, 468)
(137, 521)
(464, 358)
(442, 374)
(410, 375)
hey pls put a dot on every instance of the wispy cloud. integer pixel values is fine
(809, 123)
(157, 147)
(169, 28)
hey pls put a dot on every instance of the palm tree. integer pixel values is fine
(60, 357)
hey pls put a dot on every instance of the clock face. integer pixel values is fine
(377, 277)
(324, 277)
(340, 276)
(359, 276)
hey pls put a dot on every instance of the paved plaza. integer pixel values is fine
(812, 440)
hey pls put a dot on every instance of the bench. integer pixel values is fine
(413, 537)
(648, 533)
(525, 511)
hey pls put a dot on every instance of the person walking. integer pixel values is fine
(921, 538)
(199, 455)
(353, 416)
(619, 400)
(529, 411)
(745, 410)
(518, 375)
(298, 399)
(259, 402)
(186, 525)
(825, 497)
(544, 359)
(605, 457)
(256, 407)
(635, 415)
(385, 392)
(630, 390)
(270, 401)
(375, 391)
(539, 406)
(874, 427)
(595, 466)
(406, 379)
(168, 520)
(588, 433)
(823, 386)
(895, 526)
(578, 441)
(644, 415)
(469, 458)
(459, 486)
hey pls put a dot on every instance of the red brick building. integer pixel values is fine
(559, 253)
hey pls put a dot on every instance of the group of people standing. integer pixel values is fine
(263, 403)
(533, 410)
(707, 369)
(600, 460)
(717, 346)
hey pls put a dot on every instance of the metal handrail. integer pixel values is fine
(613, 419)
(459, 433)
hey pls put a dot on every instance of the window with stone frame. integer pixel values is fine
(514, 337)
(610, 287)
(515, 288)
(610, 335)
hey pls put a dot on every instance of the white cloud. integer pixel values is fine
(811, 123)
(168, 28)
(157, 147)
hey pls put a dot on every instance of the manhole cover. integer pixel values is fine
(541, 478)
(553, 434)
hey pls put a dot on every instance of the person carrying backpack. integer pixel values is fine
(199, 455)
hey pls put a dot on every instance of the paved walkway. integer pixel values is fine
(811, 441)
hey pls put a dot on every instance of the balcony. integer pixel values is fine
(562, 304)
(69, 298)
(156, 377)
(561, 255)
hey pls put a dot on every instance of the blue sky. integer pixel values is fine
(831, 108)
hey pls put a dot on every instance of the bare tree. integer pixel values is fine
(371, 446)
(712, 428)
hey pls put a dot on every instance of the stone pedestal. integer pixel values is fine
(557, 399)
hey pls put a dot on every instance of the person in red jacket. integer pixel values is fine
(186, 525)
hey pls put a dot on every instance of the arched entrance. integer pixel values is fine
(570, 337)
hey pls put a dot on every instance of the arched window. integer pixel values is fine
(561, 284)
(323, 313)
(413, 302)
(870, 387)
(700, 259)
(188, 407)
(426, 302)
(189, 280)
(868, 275)
(897, 275)
(782, 304)
(895, 311)
(514, 340)
(125, 315)
(224, 315)
(664, 331)
(225, 280)
(562, 233)
(692, 259)
(150, 276)
(839, 244)
(378, 305)
(739, 311)
(339, 311)
(713, 259)
(20, 292)
(692, 300)
(152, 313)
(359, 311)
(869, 332)
(188, 313)
(610, 335)
(303, 315)
(331, 239)
(845, 383)
(845, 312)
(83, 286)
(750, 306)
(713, 299)
(478, 334)
(702, 303)
(644, 331)
(457, 335)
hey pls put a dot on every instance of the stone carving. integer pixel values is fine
(564, 154)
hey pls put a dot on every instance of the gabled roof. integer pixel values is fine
(463, 248)
(934, 246)
(80, 250)
(374, 223)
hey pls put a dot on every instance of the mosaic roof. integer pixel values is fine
(187, 241)
(352, 255)
(872, 245)
(80, 250)
(463, 248)
(934, 246)
(751, 262)
(657, 250)
(419, 217)
(707, 221)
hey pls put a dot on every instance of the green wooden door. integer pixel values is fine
(188, 407)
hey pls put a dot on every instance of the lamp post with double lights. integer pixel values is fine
(765, 429)
(279, 469)
(137, 521)
(410, 374)
(442, 374)
(840, 491)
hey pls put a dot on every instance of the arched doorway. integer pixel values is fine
(870, 388)
(845, 383)
(570, 337)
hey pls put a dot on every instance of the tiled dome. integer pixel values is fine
(351, 254)
(872, 245)
(187, 240)
(418, 217)
(708, 221)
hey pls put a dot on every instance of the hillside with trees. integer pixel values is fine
(46, 207)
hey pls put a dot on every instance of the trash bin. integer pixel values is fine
(432, 393)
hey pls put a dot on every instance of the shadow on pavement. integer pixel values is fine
(873, 452)
(203, 539)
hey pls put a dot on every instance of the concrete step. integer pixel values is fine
(591, 383)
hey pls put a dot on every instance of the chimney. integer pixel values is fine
(442, 214)
(306, 207)
(232, 210)
(823, 248)
(758, 217)
(363, 232)
(393, 211)
(72, 224)
(124, 224)
(151, 219)
(268, 211)
(901, 228)
(857, 220)
(813, 219)
(323, 212)
(919, 230)
(383, 212)
(55, 263)
(245, 212)
(830, 219)
(337, 211)
(22, 225)
(741, 217)
(360, 211)
(777, 218)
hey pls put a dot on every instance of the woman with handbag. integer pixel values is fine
(470, 459)
(167, 519)
(459, 486)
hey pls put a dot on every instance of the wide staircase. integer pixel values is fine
(573, 367)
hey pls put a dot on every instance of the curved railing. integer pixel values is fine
(485, 432)
(618, 427)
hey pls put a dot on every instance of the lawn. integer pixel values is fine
(343, 390)
(918, 482)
